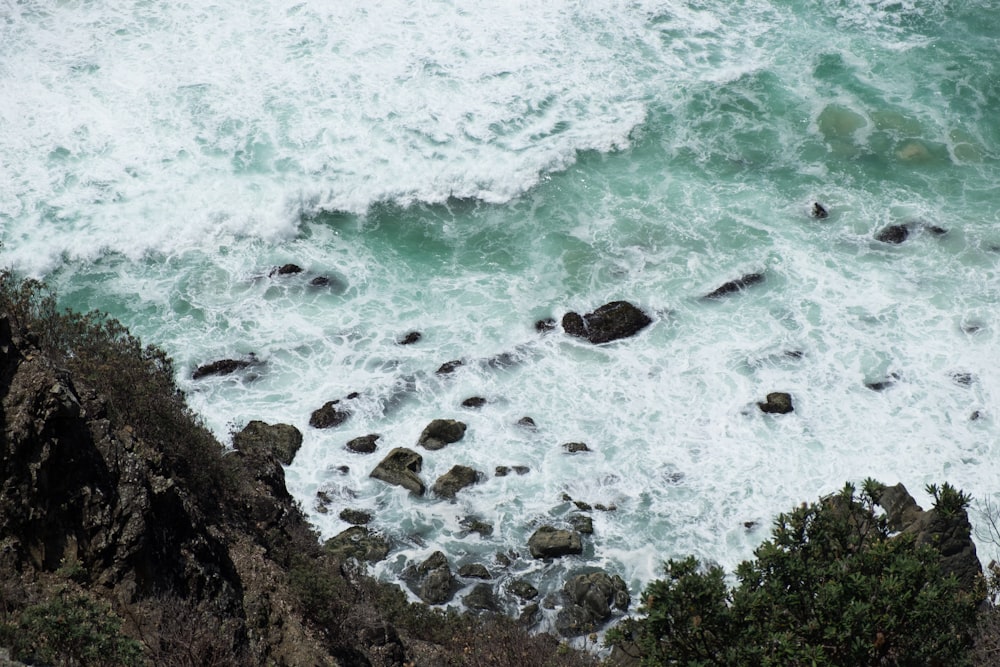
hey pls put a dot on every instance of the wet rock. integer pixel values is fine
(574, 447)
(550, 542)
(527, 422)
(286, 270)
(529, 615)
(521, 470)
(320, 281)
(410, 338)
(590, 598)
(400, 467)
(778, 402)
(963, 379)
(583, 506)
(355, 517)
(281, 440)
(880, 385)
(482, 599)
(449, 367)
(545, 325)
(501, 471)
(365, 444)
(818, 211)
(441, 432)
(523, 589)
(222, 367)
(432, 580)
(456, 479)
(474, 571)
(935, 230)
(734, 286)
(605, 508)
(582, 524)
(474, 525)
(360, 543)
(474, 402)
(333, 413)
(612, 321)
(893, 234)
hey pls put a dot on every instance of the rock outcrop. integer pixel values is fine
(589, 602)
(612, 321)
(400, 467)
(734, 286)
(456, 479)
(551, 542)
(440, 433)
(261, 438)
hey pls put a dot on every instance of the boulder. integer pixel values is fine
(527, 423)
(482, 599)
(474, 571)
(574, 447)
(449, 367)
(737, 285)
(441, 432)
(612, 321)
(432, 580)
(474, 525)
(893, 234)
(550, 542)
(545, 325)
(365, 444)
(455, 480)
(286, 270)
(281, 440)
(360, 543)
(778, 402)
(355, 517)
(222, 367)
(400, 467)
(474, 402)
(581, 523)
(589, 601)
(331, 414)
(523, 589)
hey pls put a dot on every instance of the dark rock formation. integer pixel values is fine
(893, 234)
(474, 402)
(286, 270)
(450, 367)
(737, 285)
(949, 534)
(355, 517)
(550, 542)
(432, 580)
(453, 481)
(482, 599)
(474, 525)
(222, 367)
(410, 338)
(545, 325)
(261, 438)
(527, 423)
(474, 571)
(365, 444)
(574, 447)
(523, 589)
(360, 543)
(581, 523)
(400, 467)
(612, 321)
(590, 598)
(818, 211)
(333, 413)
(441, 432)
(778, 402)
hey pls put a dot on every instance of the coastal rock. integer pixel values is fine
(400, 467)
(456, 479)
(482, 599)
(734, 286)
(410, 338)
(281, 440)
(432, 580)
(819, 211)
(441, 432)
(575, 447)
(474, 571)
(581, 523)
(551, 542)
(331, 414)
(474, 525)
(527, 423)
(894, 234)
(545, 325)
(612, 321)
(355, 517)
(365, 444)
(286, 270)
(360, 543)
(523, 589)
(222, 367)
(778, 402)
(449, 367)
(590, 598)
(474, 402)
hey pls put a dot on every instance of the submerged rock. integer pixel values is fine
(441, 432)
(474, 402)
(223, 367)
(545, 325)
(612, 321)
(574, 447)
(286, 270)
(893, 234)
(819, 211)
(455, 480)
(450, 367)
(737, 285)
(400, 467)
(281, 440)
(331, 414)
(550, 542)
(355, 517)
(410, 338)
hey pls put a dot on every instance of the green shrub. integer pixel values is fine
(831, 587)
(72, 629)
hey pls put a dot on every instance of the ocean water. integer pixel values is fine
(463, 170)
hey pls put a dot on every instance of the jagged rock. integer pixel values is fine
(481, 598)
(545, 325)
(455, 480)
(582, 524)
(550, 542)
(222, 367)
(360, 543)
(893, 234)
(365, 444)
(590, 598)
(935, 230)
(502, 471)
(778, 402)
(612, 321)
(410, 338)
(737, 285)
(474, 571)
(474, 402)
(331, 414)
(400, 467)
(355, 517)
(432, 580)
(282, 440)
(474, 525)
(450, 367)
(819, 211)
(441, 432)
(523, 589)
(574, 447)
(951, 534)
(527, 423)
(286, 270)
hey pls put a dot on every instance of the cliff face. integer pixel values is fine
(85, 500)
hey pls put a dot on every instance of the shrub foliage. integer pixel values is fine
(832, 586)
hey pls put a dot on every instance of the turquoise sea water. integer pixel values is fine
(464, 171)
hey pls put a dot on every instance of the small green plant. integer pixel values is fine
(948, 500)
